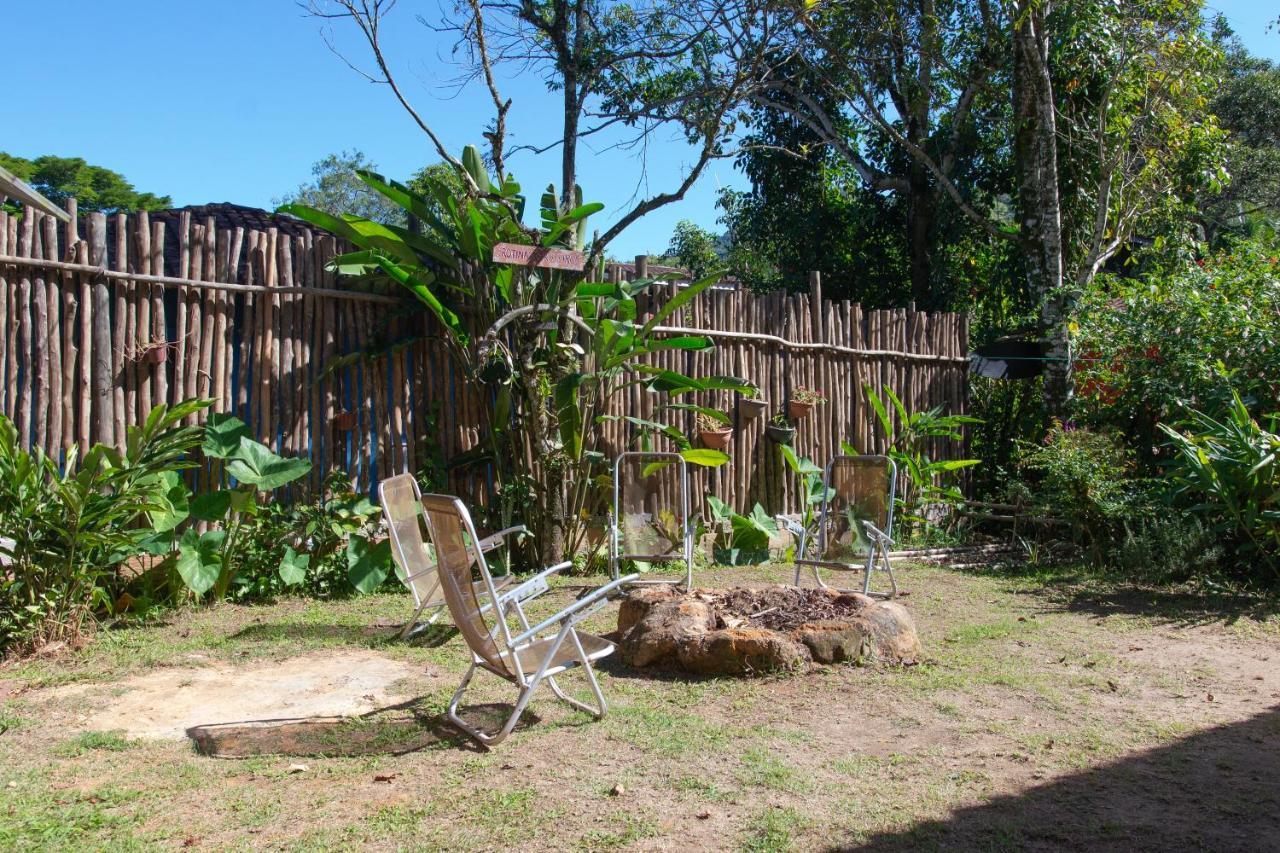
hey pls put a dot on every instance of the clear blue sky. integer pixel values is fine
(234, 100)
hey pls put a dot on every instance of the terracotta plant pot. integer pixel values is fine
(780, 434)
(156, 355)
(344, 421)
(715, 439)
(797, 410)
(752, 408)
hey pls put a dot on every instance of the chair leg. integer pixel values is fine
(413, 626)
(484, 738)
(602, 707)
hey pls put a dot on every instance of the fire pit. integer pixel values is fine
(748, 630)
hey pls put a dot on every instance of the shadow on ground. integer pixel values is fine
(376, 634)
(394, 730)
(1216, 790)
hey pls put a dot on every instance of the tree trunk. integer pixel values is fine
(1036, 162)
(921, 212)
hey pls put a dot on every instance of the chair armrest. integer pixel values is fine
(791, 525)
(876, 533)
(534, 586)
(576, 609)
(498, 539)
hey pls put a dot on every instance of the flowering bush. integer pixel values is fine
(1151, 347)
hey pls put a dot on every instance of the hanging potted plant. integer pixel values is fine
(752, 407)
(714, 429)
(780, 429)
(802, 402)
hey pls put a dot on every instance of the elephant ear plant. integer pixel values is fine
(209, 562)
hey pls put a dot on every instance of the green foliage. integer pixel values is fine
(72, 525)
(810, 477)
(93, 187)
(304, 546)
(1227, 470)
(1191, 336)
(1085, 478)
(510, 328)
(926, 485)
(337, 189)
(740, 539)
(694, 248)
(210, 562)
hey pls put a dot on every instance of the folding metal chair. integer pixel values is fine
(525, 655)
(644, 524)
(414, 557)
(855, 527)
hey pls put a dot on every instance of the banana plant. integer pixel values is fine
(549, 348)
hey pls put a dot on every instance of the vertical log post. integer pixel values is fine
(104, 422)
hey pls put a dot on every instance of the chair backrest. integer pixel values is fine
(457, 551)
(859, 488)
(414, 556)
(651, 505)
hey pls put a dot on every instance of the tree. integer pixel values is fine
(93, 187)
(1248, 108)
(337, 189)
(625, 69)
(694, 248)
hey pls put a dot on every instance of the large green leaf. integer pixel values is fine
(569, 414)
(421, 289)
(256, 465)
(682, 298)
(170, 502)
(222, 434)
(211, 506)
(705, 457)
(293, 567)
(474, 164)
(410, 201)
(367, 564)
(199, 561)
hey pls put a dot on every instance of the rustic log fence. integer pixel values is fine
(106, 316)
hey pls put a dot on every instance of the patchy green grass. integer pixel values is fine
(1044, 706)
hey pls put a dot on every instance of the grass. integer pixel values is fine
(1029, 683)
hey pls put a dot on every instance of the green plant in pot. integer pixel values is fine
(780, 429)
(803, 401)
(714, 429)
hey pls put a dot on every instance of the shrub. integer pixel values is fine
(1149, 347)
(72, 526)
(1227, 471)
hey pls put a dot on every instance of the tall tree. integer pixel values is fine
(93, 187)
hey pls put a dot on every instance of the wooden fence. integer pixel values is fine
(106, 316)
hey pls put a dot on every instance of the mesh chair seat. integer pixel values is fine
(855, 526)
(650, 519)
(562, 657)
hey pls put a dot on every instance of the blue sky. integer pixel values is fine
(234, 100)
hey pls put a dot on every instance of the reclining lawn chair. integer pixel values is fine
(856, 523)
(524, 655)
(642, 524)
(414, 557)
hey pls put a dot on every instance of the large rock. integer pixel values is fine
(749, 630)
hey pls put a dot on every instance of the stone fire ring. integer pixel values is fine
(754, 630)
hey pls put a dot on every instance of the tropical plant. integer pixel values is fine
(740, 539)
(527, 335)
(809, 476)
(1228, 470)
(926, 484)
(808, 397)
(210, 562)
(73, 524)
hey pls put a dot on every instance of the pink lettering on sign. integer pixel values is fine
(537, 256)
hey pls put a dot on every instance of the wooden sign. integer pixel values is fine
(537, 256)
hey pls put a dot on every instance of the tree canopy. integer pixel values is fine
(93, 187)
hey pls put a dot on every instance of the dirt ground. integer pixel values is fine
(1048, 714)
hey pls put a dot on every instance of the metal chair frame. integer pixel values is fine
(616, 553)
(880, 540)
(503, 657)
(432, 598)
